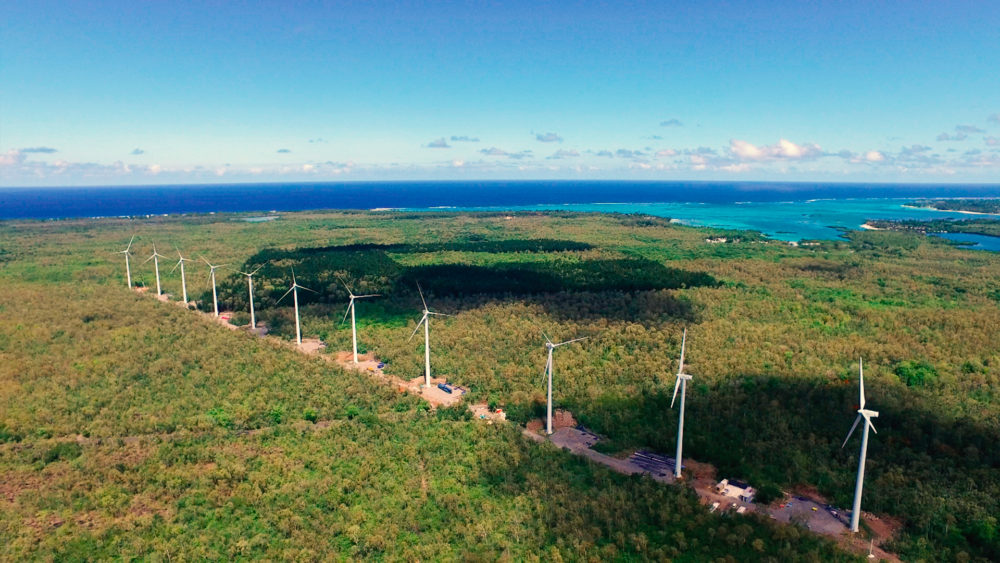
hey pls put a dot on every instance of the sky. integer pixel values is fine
(127, 93)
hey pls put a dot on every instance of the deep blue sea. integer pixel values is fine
(788, 211)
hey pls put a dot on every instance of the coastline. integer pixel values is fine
(962, 211)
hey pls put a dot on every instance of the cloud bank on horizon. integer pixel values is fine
(517, 91)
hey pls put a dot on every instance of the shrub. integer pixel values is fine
(8, 435)
(276, 414)
(220, 417)
(456, 412)
(63, 451)
(310, 415)
(915, 373)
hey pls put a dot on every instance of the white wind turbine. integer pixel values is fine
(184, 287)
(868, 415)
(155, 257)
(425, 320)
(294, 290)
(128, 270)
(211, 275)
(350, 309)
(548, 370)
(680, 382)
(253, 318)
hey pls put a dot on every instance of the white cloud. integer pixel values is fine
(12, 158)
(992, 141)
(738, 167)
(968, 129)
(665, 152)
(438, 144)
(549, 138)
(671, 123)
(784, 149)
(744, 149)
(955, 137)
(560, 154)
(874, 156)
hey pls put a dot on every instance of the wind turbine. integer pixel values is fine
(211, 275)
(548, 369)
(425, 320)
(128, 270)
(184, 287)
(155, 257)
(294, 290)
(680, 382)
(868, 415)
(354, 326)
(253, 319)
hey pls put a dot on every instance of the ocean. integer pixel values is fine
(786, 211)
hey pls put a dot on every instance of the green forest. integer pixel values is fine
(988, 227)
(131, 427)
(968, 204)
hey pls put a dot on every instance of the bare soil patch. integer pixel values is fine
(312, 345)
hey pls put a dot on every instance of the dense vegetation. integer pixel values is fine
(988, 227)
(195, 441)
(973, 205)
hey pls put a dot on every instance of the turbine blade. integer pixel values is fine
(369, 295)
(677, 385)
(285, 295)
(175, 266)
(571, 341)
(422, 300)
(868, 420)
(347, 311)
(548, 366)
(129, 247)
(344, 283)
(853, 426)
(680, 367)
(306, 288)
(257, 270)
(861, 382)
(439, 314)
(547, 339)
(416, 328)
(148, 259)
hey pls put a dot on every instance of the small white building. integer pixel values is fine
(736, 489)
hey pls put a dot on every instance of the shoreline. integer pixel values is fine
(962, 211)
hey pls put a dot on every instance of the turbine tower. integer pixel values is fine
(548, 369)
(868, 415)
(211, 275)
(184, 287)
(350, 309)
(155, 257)
(680, 382)
(128, 270)
(294, 290)
(253, 318)
(425, 320)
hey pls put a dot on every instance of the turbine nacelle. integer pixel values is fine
(127, 248)
(681, 376)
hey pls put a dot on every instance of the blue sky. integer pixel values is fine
(102, 93)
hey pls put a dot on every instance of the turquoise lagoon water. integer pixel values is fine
(782, 220)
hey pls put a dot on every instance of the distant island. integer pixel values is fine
(988, 227)
(974, 206)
